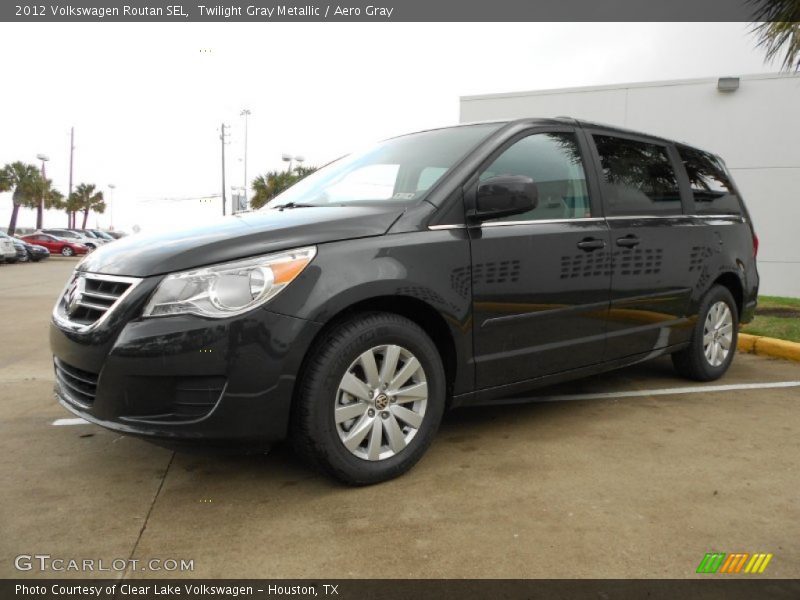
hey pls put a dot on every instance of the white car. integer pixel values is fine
(7, 250)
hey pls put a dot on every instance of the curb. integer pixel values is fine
(767, 346)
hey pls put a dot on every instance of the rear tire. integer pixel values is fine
(67, 251)
(713, 342)
(381, 429)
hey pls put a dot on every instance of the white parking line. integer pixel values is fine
(71, 422)
(695, 389)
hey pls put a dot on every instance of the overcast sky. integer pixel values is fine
(147, 100)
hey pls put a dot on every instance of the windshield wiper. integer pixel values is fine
(295, 205)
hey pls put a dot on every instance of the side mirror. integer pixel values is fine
(505, 195)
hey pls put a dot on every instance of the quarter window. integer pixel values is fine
(712, 189)
(553, 161)
(638, 178)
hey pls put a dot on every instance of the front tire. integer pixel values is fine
(713, 342)
(67, 251)
(369, 399)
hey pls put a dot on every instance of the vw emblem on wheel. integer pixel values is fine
(382, 401)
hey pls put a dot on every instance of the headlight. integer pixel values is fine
(228, 289)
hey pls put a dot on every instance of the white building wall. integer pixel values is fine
(756, 129)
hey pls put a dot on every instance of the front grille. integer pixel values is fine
(78, 385)
(89, 298)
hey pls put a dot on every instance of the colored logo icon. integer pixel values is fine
(738, 562)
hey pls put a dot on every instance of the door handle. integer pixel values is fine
(590, 244)
(629, 241)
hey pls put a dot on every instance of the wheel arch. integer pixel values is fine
(414, 309)
(733, 283)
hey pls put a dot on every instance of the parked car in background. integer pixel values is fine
(34, 253)
(116, 234)
(56, 244)
(76, 236)
(103, 234)
(22, 251)
(95, 234)
(8, 253)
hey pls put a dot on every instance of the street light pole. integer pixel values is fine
(222, 140)
(70, 215)
(111, 187)
(245, 113)
(40, 210)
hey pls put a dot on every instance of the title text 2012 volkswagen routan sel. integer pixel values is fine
(450, 267)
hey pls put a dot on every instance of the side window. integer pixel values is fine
(553, 161)
(712, 190)
(637, 178)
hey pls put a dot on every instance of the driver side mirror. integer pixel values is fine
(505, 195)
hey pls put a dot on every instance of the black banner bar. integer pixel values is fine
(263, 11)
(729, 588)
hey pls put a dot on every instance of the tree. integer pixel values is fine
(72, 204)
(778, 30)
(45, 196)
(23, 179)
(272, 183)
(86, 199)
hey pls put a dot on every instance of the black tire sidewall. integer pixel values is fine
(354, 338)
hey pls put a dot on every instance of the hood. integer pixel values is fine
(239, 236)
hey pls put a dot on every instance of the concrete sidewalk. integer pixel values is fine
(613, 487)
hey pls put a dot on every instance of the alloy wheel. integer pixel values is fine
(381, 402)
(718, 333)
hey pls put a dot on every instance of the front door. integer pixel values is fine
(541, 279)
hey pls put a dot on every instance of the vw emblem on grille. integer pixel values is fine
(74, 295)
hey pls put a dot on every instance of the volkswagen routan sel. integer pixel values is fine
(451, 267)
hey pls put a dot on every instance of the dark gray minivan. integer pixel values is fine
(449, 267)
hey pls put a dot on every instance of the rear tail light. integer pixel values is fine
(755, 244)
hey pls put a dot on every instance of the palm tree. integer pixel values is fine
(272, 183)
(45, 196)
(72, 204)
(86, 199)
(778, 30)
(23, 179)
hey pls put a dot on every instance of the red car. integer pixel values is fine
(56, 244)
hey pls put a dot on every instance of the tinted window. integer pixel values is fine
(554, 163)
(638, 178)
(712, 189)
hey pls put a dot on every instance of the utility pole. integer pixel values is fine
(70, 216)
(245, 113)
(222, 143)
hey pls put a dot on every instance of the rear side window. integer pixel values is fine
(712, 189)
(638, 178)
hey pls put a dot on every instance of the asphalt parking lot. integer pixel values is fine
(621, 486)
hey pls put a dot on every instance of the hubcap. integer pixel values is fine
(380, 403)
(718, 333)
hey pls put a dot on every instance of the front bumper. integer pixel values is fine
(185, 378)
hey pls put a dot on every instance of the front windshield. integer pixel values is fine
(400, 170)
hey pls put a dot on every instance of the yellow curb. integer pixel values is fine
(746, 343)
(767, 346)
